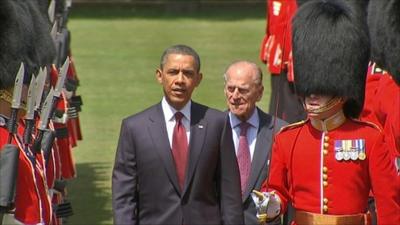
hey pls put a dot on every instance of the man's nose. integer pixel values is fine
(180, 77)
(236, 93)
(313, 96)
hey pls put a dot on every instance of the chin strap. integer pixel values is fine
(333, 102)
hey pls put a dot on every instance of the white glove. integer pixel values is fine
(268, 205)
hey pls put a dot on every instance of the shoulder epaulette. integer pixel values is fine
(368, 123)
(292, 125)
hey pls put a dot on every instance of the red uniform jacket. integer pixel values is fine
(277, 45)
(53, 167)
(32, 203)
(382, 102)
(304, 170)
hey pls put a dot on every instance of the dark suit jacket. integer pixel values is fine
(259, 164)
(145, 187)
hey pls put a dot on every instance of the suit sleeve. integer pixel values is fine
(229, 179)
(124, 179)
(385, 183)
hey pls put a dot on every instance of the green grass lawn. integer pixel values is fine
(117, 51)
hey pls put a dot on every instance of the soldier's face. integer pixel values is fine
(179, 78)
(322, 106)
(242, 91)
(314, 102)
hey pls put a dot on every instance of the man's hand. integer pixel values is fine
(267, 205)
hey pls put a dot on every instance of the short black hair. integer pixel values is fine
(183, 50)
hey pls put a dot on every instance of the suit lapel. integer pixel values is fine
(261, 151)
(158, 132)
(198, 128)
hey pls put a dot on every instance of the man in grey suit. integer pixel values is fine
(252, 130)
(175, 161)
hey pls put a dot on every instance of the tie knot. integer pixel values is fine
(243, 128)
(178, 116)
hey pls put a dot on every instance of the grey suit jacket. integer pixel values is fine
(145, 187)
(259, 165)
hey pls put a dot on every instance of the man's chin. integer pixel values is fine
(178, 102)
(238, 113)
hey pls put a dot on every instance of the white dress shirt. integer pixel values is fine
(169, 115)
(251, 131)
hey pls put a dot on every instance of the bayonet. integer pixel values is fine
(16, 102)
(51, 10)
(19, 82)
(39, 86)
(44, 121)
(30, 102)
(68, 3)
(59, 86)
(61, 78)
(30, 113)
(54, 33)
(45, 113)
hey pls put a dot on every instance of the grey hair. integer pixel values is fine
(182, 50)
(257, 69)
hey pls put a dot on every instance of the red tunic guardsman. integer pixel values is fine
(63, 141)
(327, 165)
(277, 45)
(276, 51)
(382, 100)
(74, 104)
(33, 204)
(382, 97)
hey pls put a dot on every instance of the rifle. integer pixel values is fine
(58, 15)
(43, 123)
(49, 107)
(30, 122)
(30, 114)
(48, 136)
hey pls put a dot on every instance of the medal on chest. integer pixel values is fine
(353, 149)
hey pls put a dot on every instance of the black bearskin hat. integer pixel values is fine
(24, 37)
(384, 24)
(45, 48)
(331, 52)
(360, 5)
(43, 5)
(14, 42)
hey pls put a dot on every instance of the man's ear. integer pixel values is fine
(159, 76)
(260, 92)
(199, 78)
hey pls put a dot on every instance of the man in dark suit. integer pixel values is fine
(175, 161)
(243, 89)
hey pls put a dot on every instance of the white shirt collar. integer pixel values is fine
(254, 121)
(170, 111)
